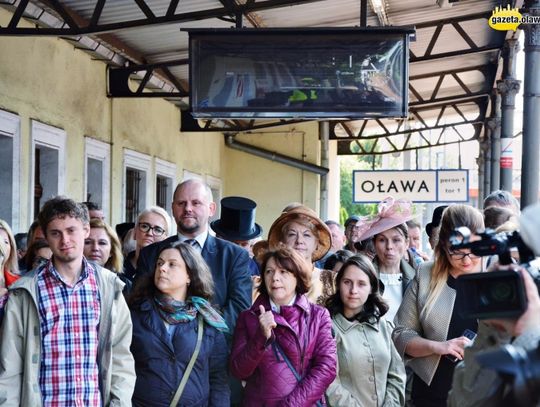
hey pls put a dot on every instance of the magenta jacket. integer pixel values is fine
(304, 332)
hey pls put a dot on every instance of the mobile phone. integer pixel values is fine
(467, 333)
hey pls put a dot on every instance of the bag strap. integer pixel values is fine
(189, 367)
(287, 361)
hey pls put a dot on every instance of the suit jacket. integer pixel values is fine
(229, 264)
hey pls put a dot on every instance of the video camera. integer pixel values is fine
(497, 294)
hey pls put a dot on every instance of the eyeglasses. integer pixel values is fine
(156, 230)
(461, 255)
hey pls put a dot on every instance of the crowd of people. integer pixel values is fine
(214, 315)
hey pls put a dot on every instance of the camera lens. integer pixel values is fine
(498, 293)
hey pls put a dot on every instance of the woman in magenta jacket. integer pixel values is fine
(283, 346)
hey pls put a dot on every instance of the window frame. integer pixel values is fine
(101, 151)
(10, 126)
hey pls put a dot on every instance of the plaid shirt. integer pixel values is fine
(69, 322)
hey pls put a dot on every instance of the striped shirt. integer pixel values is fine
(69, 323)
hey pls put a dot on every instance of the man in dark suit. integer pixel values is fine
(192, 206)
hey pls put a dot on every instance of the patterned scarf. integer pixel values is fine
(175, 312)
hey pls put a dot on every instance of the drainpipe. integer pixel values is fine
(531, 110)
(273, 156)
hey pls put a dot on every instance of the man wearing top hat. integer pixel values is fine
(237, 225)
(192, 207)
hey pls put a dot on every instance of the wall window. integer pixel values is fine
(165, 184)
(10, 169)
(48, 157)
(137, 194)
(97, 173)
(216, 188)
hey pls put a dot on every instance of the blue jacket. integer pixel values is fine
(160, 362)
(229, 265)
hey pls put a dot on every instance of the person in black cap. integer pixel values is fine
(237, 225)
(352, 232)
(432, 228)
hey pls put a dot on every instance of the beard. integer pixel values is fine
(188, 229)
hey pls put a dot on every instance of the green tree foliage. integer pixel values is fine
(348, 208)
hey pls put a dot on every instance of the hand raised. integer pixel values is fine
(266, 322)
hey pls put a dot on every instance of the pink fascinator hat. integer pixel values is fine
(390, 213)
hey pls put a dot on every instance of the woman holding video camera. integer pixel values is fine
(430, 334)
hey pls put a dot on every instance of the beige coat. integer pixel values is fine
(410, 324)
(20, 344)
(370, 371)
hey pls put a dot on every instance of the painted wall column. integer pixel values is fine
(508, 87)
(531, 110)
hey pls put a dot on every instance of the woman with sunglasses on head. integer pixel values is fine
(370, 370)
(429, 331)
(152, 225)
(178, 342)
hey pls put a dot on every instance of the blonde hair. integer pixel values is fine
(11, 263)
(116, 260)
(2, 255)
(454, 216)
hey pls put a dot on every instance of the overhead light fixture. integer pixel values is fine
(379, 8)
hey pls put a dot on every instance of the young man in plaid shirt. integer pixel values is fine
(66, 332)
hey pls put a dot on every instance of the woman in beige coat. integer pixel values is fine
(370, 370)
(428, 325)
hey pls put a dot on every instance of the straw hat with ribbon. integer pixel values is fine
(390, 213)
(301, 214)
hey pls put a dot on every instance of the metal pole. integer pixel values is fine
(324, 135)
(494, 124)
(486, 151)
(531, 110)
(363, 13)
(481, 169)
(508, 87)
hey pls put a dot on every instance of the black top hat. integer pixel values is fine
(435, 219)
(237, 221)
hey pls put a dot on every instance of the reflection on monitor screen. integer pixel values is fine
(353, 73)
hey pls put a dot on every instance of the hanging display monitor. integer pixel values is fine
(299, 73)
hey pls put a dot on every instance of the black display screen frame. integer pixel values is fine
(328, 102)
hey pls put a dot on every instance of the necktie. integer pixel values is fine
(193, 243)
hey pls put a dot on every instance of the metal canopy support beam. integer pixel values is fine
(119, 78)
(508, 87)
(72, 28)
(531, 110)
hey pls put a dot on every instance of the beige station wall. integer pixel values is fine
(274, 185)
(49, 80)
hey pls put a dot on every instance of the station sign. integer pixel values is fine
(414, 185)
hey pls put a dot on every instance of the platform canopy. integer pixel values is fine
(455, 58)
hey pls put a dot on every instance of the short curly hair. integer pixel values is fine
(60, 207)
